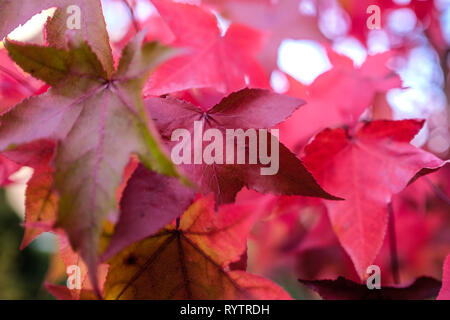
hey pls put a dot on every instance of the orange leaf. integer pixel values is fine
(191, 261)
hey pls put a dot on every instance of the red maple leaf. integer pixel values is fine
(343, 289)
(226, 63)
(366, 168)
(245, 109)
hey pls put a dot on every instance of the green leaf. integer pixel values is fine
(98, 123)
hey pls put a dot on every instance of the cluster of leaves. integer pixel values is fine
(95, 125)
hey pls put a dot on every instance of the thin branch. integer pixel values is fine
(439, 193)
(23, 83)
(393, 245)
(136, 25)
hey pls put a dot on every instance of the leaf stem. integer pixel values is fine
(132, 16)
(17, 79)
(393, 245)
(439, 193)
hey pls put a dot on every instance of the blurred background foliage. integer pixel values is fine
(22, 272)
